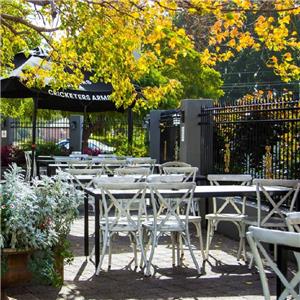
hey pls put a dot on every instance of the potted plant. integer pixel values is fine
(35, 222)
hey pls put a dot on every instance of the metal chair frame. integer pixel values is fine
(218, 214)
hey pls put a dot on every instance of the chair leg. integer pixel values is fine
(173, 248)
(210, 232)
(200, 239)
(187, 237)
(104, 247)
(149, 262)
(109, 254)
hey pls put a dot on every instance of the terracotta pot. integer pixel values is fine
(17, 267)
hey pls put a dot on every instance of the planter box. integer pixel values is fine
(17, 267)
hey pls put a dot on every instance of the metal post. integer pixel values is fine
(130, 130)
(33, 144)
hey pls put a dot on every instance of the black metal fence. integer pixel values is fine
(260, 137)
(48, 131)
(109, 129)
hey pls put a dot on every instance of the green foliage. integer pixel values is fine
(139, 145)
(48, 148)
(45, 264)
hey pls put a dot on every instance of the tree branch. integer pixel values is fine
(28, 24)
(6, 24)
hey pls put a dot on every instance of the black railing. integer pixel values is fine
(260, 137)
(47, 131)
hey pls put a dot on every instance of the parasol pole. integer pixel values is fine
(33, 144)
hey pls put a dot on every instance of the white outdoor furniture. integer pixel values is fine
(204, 191)
(169, 219)
(173, 164)
(110, 165)
(257, 239)
(271, 212)
(189, 174)
(142, 162)
(219, 215)
(140, 174)
(122, 220)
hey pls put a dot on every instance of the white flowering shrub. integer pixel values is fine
(36, 216)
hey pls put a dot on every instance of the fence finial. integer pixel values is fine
(227, 158)
(268, 163)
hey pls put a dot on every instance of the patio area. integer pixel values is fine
(225, 277)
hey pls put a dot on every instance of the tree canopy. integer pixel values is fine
(137, 42)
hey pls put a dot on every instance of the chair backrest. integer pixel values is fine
(122, 205)
(79, 176)
(219, 179)
(142, 162)
(163, 178)
(257, 238)
(170, 197)
(277, 206)
(173, 164)
(98, 181)
(189, 173)
(110, 165)
(140, 174)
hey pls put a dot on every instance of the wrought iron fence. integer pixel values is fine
(47, 131)
(105, 128)
(260, 137)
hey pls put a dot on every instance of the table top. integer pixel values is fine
(205, 191)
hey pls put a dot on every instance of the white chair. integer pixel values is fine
(189, 174)
(257, 237)
(28, 159)
(84, 178)
(218, 214)
(169, 220)
(140, 174)
(142, 162)
(110, 165)
(117, 217)
(173, 164)
(271, 212)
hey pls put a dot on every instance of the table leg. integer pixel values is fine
(97, 232)
(282, 266)
(86, 224)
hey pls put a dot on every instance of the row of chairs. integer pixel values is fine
(144, 228)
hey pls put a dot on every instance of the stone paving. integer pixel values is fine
(225, 277)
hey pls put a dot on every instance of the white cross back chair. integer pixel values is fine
(110, 164)
(219, 215)
(271, 212)
(169, 219)
(117, 216)
(140, 174)
(257, 239)
(173, 164)
(142, 162)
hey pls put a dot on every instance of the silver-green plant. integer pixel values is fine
(36, 216)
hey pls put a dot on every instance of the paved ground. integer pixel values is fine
(225, 277)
